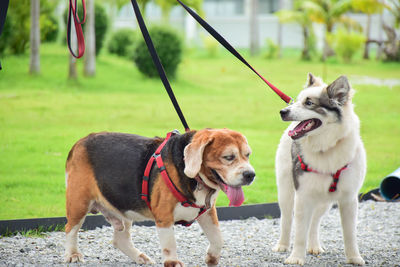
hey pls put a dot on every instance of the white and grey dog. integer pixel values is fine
(319, 161)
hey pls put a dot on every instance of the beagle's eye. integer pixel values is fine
(247, 155)
(308, 102)
(229, 157)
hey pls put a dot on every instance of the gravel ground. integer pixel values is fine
(247, 243)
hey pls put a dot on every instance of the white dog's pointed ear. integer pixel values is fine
(313, 81)
(338, 91)
(310, 80)
(193, 154)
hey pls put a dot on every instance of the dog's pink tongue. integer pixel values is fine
(235, 195)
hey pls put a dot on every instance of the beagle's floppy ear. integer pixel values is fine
(193, 155)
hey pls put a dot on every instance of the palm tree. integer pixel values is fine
(368, 7)
(302, 17)
(329, 13)
(34, 67)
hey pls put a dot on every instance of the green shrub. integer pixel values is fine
(272, 49)
(48, 29)
(121, 41)
(101, 24)
(169, 47)
(346, 43)
(18, 15)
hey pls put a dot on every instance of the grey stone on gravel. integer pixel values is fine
(247, 243)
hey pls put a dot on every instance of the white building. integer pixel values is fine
(231, 18)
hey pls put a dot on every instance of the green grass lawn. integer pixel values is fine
(42, 116)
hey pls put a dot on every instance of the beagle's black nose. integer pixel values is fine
(248, 176)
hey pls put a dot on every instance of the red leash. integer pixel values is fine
(73, 12)
(233, 51)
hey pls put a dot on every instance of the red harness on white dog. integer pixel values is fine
(171, 186)
(332, 187)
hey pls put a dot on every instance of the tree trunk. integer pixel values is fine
(90, 51)
(305, 55)
(380, 37)
(392, 45)
(327, 50)
(281, 6)
(72, 73)
(368, 33)
(254, 36)
(34, 66)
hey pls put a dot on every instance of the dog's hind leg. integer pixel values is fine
(348, 216)
(314, 245)
(122, 240)
(76, 213)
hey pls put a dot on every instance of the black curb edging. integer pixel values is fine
(259, 211)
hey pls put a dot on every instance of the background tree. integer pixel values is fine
(301, 16)
(34, 66)
(392, 45)
(368, 7)
(329, 13)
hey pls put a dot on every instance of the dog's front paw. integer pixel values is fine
(280, 248)
(294, 260)
(144, 259)
(315, 250)
(173, 263)
(356, 261)
(74, 257)
(212, 260)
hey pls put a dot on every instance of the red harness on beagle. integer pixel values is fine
(332, 187)
(171, 186)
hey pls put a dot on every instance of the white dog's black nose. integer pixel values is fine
(248, 176)
(284, 113)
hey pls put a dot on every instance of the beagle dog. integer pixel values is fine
(104, 173)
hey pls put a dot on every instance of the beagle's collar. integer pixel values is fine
(202, 185)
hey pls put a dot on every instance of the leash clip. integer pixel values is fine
(291, 102)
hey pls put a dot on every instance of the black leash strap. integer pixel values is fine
(230, 48)
(157, 63)
(3, 14)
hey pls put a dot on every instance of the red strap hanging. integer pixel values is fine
(73, 12)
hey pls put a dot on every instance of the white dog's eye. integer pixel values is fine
(308, 102)
(229, 158)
